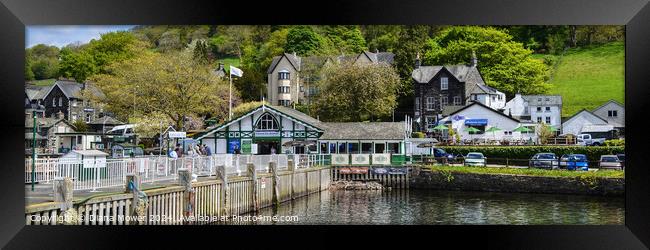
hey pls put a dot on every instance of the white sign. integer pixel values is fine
(174, 134)
(380, 159)
(267, 133)
(340, 159)
(254, 148)
(360, 159)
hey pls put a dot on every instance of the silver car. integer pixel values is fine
(544, 160)
(610, 161)
(475, 159)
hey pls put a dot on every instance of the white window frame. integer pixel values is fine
(417, 103)
(61, 101)
(539, 119)
(458, 101)
(444, 100)
(430, 103)
(548, 120)
(444, 83)
(266, 122)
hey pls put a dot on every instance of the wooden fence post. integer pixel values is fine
(63, 188)
(275, 180)
(133, 188)
(291, 167)
(253, 174)
(225, 193)
(185, 180)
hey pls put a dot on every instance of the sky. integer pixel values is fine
(62, 35)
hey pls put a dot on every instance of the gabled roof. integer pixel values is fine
(580, 112)
(379, 57)
(482, 105)
(45, 122)
(107, 120)
(36, 92)
(534, 100)
(363, 131)
(608, 102)
(293, 60)
(292, 114)
(72, 89)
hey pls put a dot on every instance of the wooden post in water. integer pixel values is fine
(253, 174)
(185, 180)
(132, 185)
(291, 169)
(275, 180)
(225, 193)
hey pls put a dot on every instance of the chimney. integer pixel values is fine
(376, 51)
(83, 86)
(220, 66)
(474, 60)
(417, 61)
(294, 55)
(59, 115)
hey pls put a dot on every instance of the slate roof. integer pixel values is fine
(72, 89)
(36, 92)
(484, 106)
(534, 100)
(299, 63)
(363, 131)
(105, 120)
(298, 115)
(474, 83)
(44, 122)
(610, 101)
(380, 57)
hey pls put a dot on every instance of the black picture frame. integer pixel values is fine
(634, 14)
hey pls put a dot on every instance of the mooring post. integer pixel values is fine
(253, 174)
(225, 193)
(291, 169)
(63, 188)
(275, 180)
(185, 180)
(132, 185)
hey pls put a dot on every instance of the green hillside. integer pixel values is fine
(588, 77)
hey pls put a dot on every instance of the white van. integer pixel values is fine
(123, 130)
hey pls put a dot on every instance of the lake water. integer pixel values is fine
(447, 208)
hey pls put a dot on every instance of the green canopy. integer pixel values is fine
(492, 129)
(552, 128)
(522, 129)
(440, 127)
(472, 129)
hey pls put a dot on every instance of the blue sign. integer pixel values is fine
(458, 117)
(398, 171)
(476, 122)
(233, 144)
(380, 170)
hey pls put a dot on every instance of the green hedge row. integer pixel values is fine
(526, 152)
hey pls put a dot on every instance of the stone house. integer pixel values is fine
(536, 109)
(66, 96)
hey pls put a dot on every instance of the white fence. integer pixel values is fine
(152, 169)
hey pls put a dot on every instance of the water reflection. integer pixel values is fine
(448, 207)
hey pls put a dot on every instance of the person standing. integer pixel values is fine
(208, 151)
(179, 150)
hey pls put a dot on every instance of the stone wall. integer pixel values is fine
(445, 180)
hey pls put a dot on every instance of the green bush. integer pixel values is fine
(615, 142)
(417, 135)
(526, 152)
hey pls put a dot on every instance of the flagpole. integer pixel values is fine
(230, 94)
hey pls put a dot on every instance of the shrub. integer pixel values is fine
(615, 142)
(526, 152)
(417, 135)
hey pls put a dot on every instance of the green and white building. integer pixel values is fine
(272, 129)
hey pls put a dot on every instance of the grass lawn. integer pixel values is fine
(44, 82)
(530, 171)
(234, 61)
(588, 77)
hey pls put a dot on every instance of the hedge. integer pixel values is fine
(526, 152)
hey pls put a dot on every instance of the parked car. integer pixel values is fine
(563, 160)
(610, 161)
(587, 140)
(577, 162)
(544, 160)
(439, 153)
(475, 159)
(621, 157)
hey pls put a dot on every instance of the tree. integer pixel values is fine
(246, 107)
(41, 62)
(381, 37)
(345, 39)
(544, 133)
(356, 92)
(304, 41)
(80, 125)
(504, 64)
(78, 65)
(172, 83)
(29, 75)
(200, 52)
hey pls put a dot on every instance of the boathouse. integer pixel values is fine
(276, 129)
